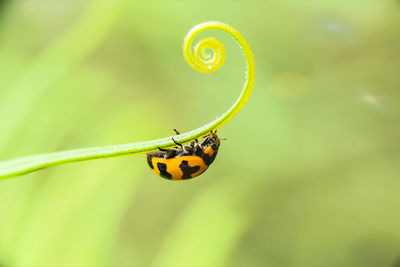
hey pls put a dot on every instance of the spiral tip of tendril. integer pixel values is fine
(208, 55)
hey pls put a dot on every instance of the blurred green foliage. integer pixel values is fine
(309, 175)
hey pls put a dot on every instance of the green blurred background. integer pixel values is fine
(308, 176)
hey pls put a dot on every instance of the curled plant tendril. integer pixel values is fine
(199, 59)
(203, 61)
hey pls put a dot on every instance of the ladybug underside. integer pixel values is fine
(175, 152)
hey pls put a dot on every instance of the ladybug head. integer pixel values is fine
(212, 140)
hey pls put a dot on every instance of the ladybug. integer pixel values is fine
(184, 162)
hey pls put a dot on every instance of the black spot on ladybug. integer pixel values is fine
(187, 170)
(209, 159)
(162, 167)
(149, 161)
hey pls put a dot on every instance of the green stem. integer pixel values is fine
(200, 61)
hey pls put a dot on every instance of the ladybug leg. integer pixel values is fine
(194, 143)
(176, 142)
(162, 149)
(197, 143)
(187, 150)
(195, 147)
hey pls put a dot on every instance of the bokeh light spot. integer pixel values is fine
(370, 99)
